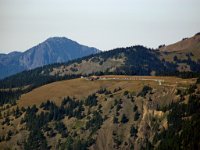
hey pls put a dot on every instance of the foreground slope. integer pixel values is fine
(52, 50)
(113, 112)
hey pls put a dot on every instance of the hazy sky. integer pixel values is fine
(104, 24)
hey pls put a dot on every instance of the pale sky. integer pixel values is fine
(104, 24)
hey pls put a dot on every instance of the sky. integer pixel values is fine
(104, 24)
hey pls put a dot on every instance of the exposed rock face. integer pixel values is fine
(53, 50)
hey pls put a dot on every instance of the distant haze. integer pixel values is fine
(104, 24)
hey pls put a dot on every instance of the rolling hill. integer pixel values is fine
(52, 50)
(185, 53)
(184, 44)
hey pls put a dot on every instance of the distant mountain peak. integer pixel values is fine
(52, 50)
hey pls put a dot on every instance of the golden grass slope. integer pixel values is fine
(81, 88)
